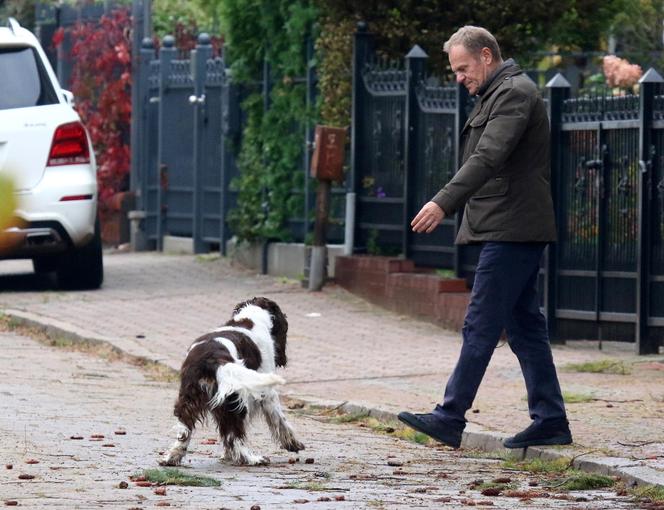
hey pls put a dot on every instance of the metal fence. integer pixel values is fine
(187, 123)
(604, 278)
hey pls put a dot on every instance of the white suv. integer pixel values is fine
(47, 153)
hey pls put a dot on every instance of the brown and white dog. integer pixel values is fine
(228, 374)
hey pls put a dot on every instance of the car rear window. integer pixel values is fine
(24, 81)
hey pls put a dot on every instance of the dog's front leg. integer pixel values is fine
(279, 426)
(178, 449)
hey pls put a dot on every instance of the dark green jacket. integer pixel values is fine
(504, 177)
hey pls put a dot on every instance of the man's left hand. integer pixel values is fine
(428, 218)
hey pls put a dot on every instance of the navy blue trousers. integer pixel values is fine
(504, 296)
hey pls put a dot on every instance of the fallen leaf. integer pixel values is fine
(32, 461)
(75, 437)
(26, 477)
(9, 466)
(144, 484)
(309, 461)
(394, 463)
(160, 491)
(11, 502)
(123, 485)
(120, 432)
(340, 498)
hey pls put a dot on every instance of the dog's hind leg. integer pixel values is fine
(240, 454)
(276, 421)
(177, 451)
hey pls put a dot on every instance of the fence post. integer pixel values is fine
(230, 136)
(136, 99)
(462, 100)
(140, 117)
(645, 343)
(199, 59)
(416, 64)
(558, 91)
(361, 50)
(166, 56)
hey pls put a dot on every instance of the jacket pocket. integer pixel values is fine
(496, 187)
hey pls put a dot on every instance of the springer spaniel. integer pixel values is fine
(229, 373)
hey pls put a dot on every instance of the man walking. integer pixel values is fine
(504, 184)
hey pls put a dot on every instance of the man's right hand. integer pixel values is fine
(428, 218)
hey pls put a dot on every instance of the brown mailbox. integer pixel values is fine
(328, 159)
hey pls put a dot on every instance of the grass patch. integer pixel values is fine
(574, 480)
(579, 481)
(446, 273)
(362, 419)
(153, 370)
(655, 493)
(350, 417)
(306, 486)
(172, 476)
(577, 398)
(604, 366)
(539, 466)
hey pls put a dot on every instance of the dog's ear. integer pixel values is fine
(279, 331)
(279, 328)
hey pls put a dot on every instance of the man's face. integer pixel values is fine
(470, 70)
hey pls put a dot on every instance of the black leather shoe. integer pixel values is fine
(432, 426)
(548, 432)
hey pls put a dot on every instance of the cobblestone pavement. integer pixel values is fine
(342, 348)
(74, 427)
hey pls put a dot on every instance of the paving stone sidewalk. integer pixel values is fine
(343, 349)
(53, 456)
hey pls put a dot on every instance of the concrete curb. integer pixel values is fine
(473, 437)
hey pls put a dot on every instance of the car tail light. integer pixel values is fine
(70, 145)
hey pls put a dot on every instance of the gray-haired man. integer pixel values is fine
(504, 185)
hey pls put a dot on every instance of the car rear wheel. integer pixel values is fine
(43, 265)
(82, 268)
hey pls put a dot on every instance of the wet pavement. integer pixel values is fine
(343, 349)
(76, 428)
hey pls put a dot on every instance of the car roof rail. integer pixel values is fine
(13, 25)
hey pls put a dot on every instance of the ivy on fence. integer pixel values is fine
(270, 158)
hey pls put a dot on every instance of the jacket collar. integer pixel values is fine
(507, 69)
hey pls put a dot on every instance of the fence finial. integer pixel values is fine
(417, 52)
(147, 43)
(169, 41)
(203, 39)
(361, 26)
(558, 82)
(651, 76)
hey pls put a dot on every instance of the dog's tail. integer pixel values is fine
(246, 383)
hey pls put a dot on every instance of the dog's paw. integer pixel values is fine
(294, 446)
(169, 461)
(252, 460)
